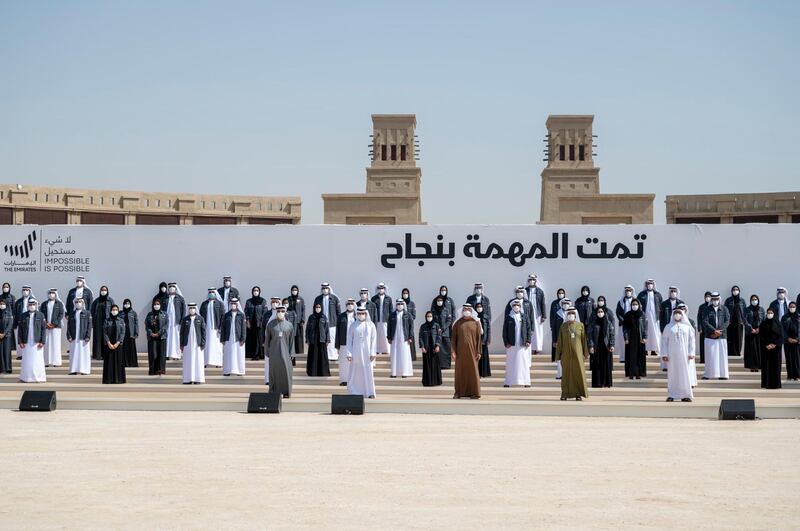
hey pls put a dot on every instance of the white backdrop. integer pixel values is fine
(132, 260)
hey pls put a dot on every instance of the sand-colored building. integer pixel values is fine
(571, 181)
(393, 179)
(777, 207)
(40, 205)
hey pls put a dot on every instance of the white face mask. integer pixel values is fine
(792, 310)
(754, 302)
(770, 315)
(362, 317)
(163, 290)
(115, 313)
(634, 307)
(439, 303)
(31, 309)
(2, 306)
(294, 292)
(649, 287)
(715, 303)
(673, 295)
(600, 304)
(584, 293)
(443, 293)
(571, 317)
(735, 292)
(172, 291)
(234, 307)
(520, 296)
(25, 292)
(317, 310)
(708, 299)
(104, 293)
(429, 318)
(274, 305)
(564, 307)
(156, 308)
(601, 314)
(560, 296)
(678, 317)
(79, 284)
(227, 284)
(326, 291)
(399, 307)
(127, 306)
(281, 315)
(256, 293)
(467, 313)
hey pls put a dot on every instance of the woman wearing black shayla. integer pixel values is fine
(770, 334)
(317, 339)
(634, 330)
(131, 319)
(430, 341)
(113, 355)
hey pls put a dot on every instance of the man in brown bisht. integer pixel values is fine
(466, 348)
(571, 350)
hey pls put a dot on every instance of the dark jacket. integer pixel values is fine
(109, 302)
(487, 308)
(701, 312)
(736, 309)
(775, 307)
(254, 310)
(233, 293)
(109, 325)
(87, 299)
(716, 320)
(372, 310)
(387, 307)
(411, 308)
(239, 327)
(753, 317)
(601, 334)
(791, 327)
(430, 336)
(38, 328)
(407, 324)
(486, 324)
(444, 318)
(333, 306)
(317, 329)
(80, 328)
(657, 299)
(217, 307)
(666, 312)
(156, 323)
(632, 324)
(199, 330)
(58, 312)
(298, 306)
(131, 319)
(341, 329)
(510, 330)
(537, 300)
(180, 307)
(6, 322)
(527, 308)
(585, 307)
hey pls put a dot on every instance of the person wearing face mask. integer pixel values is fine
(411, 308)
(692, 362)
(8, 297)
(161, 295)
(331, 309)
(279, 342)
(113, 337)
(80, 291)
(479, 297)
(443, 317)
(53, 310)
(212, 311)
(668, 306)
(635, 331)
(484, 367)
(400, 334)
(365, 302)
(677, 350)
(292, 318)
(701, 312)
(318, 337)
(525, 305)
(79, 336)
(753, 317)
(254, 313)
(650, 301)
(516, 337)
(466, 352)
(362, 341)
(346, 320)
(31, 337)
(101, 311)
(623, 307)
(383, 309)
(555, 326)
(131, 318)
(430, 342)
(585, 305)
(20, 308)
(174, 306)
(448, 302)
(535, 295)
(736, 308)
(227, 292)
(601, 342)
(770, 335)
(233, 335)
(6, 336)
(715, 328)
(297, 304)
(193, 340)
(572, 351)
(270, 314)
(791, 349)
(156, 325)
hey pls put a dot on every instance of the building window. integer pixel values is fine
(113, 200)
(394, 152)
(581, 152)
(561, 153)
(558, 187)
(158, 202)
(91, 199)
(269, 206)
(213, 204)
(383, 151)
(147, 202)
(46, 197)
(586, 186)
(403, 152)
(572, 152)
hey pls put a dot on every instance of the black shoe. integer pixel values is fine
(563, 398)
(527, 386)
(670, 399)
(578, 398)
(638, 377)
(686, 399)
(723, 378)
(506, 386)
(663, 370)
(371, 396)
(285, 396)
(704, 378)
(392, 376)
(343, 384)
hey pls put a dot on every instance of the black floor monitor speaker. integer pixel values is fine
(738, 409)
(38, 401)
(347, 404)
(264, 403)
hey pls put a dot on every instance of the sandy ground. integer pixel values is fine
(118, 469)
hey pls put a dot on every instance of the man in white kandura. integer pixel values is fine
(677, 350)
(516, 338)
(715, 329)
(175, 312)
(53, 310)
(346, 320)
(535, 294)
(212, 311)
(79, 335)
(400, 334)
(31, 338)
(233, 340)
(193, 339)
(362, 341)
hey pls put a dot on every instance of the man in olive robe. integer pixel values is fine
(279, 351)
(572, 351)
(466, 351)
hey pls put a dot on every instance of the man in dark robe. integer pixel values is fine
(791, 347)
(113, 355)
(585, 305)
(280, 349)
(430, 340)
(443, 317)
(753, 317)
(701, 313)
(155, 325)
(601, 341)
(736, 308)
(572, 351)
(297, 304)
(317, 337)
(101, 310)
(634, 331)
(770, 335)
(466, 351)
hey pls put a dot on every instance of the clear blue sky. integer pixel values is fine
(275, 97)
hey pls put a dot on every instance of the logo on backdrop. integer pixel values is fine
(22, 257)
(516, 253)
